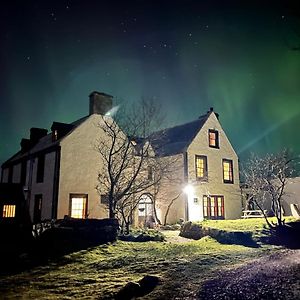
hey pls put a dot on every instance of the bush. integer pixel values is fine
(143, 236)
(171, 227)
(196, 231)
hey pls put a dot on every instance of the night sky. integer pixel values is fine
(244, 60)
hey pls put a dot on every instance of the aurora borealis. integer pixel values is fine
(242, 59)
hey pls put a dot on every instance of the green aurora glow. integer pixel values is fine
(189, 56)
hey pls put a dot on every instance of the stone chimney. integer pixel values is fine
(100, 103)
(36, 134)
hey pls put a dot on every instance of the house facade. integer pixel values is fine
(58, 170)
(205, 184)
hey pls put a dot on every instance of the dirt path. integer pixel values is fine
(172, 236)
(272, 277)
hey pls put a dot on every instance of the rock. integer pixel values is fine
(147, 284)
(130, 291)
(134, 290)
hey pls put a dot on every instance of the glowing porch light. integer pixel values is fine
(189, 190)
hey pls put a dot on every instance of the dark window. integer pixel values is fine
(213, 138)
(23, 172)
(104, 199)
(150, 173)
(10, 174)
(78, 206)
(213, 207)
(37, 212)
(228, 171)
(201, 167)
(40, 168)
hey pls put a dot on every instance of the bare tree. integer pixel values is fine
(266, 178)
(128, 158)
(170, 181)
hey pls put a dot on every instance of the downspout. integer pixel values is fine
(28, 200)
(55, 184)
(186, 180)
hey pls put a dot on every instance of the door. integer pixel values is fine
(213, 207)
(145, 211)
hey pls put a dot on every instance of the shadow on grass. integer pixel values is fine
(196, 231)
(287, 235)
(22, 252)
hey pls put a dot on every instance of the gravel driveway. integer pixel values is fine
(272, 277)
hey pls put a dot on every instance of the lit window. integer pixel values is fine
(213, 207)
(9, 211)
(78, 207)
(145, 206)
(213, 138)
(201, 167)
(227, 171)
(205, 206)
(54, 135)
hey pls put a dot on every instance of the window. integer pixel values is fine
(54, 135)
(9, 211)
(196, 201)
(201, 167)
(145, 206)
(227, 171)
(104, 199)
(40, 168)
(150, 173)
(213, 138)
(10, 174)
(78, 206)
(23, 172)
(213, 207)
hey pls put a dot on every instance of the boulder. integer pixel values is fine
(130, 291)
(147, 284)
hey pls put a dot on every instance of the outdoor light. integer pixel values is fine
(189, 189)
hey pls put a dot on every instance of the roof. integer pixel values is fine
(176, 139)
(46, 142)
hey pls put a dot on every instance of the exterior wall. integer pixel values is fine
(291, 195)
(214, 184)
(170, 188)
(79, 166)
(44, 188)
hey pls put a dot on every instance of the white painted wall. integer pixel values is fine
(79, 167)
(215, 184)
(45, 188)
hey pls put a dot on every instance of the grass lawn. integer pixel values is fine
(99, 272)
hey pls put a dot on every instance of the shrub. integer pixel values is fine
(196, 231)
(143, 236)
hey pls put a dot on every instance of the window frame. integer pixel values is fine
(212, 211)
(7, 213)
(216, 132)
(205, 168)
(74, 195)
(23, 174)
(230, 180)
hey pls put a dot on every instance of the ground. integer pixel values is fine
(184, 267)
(275, 276)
